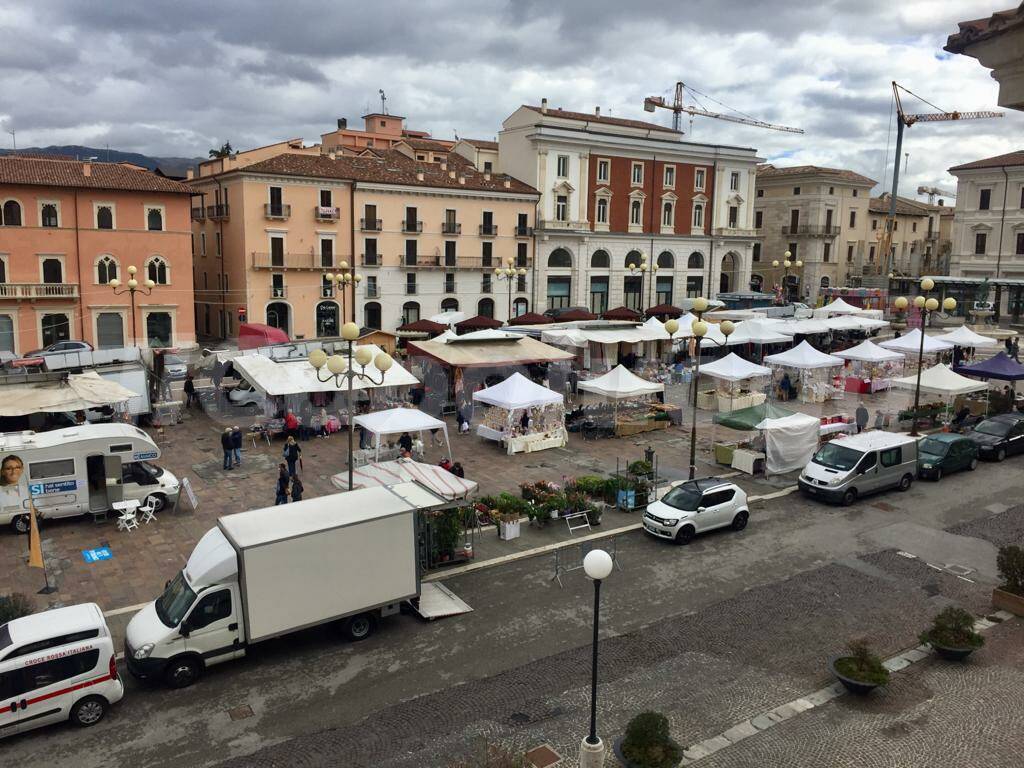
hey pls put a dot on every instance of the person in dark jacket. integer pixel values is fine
(405, 442)
(190, 391)
(236, 445)
(297, 489)
(225, 444)
(282, 485)
(457, 470)
(292, 452)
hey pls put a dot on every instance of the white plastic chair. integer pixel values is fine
(127, 521)
(148, 511)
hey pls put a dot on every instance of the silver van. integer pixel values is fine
(846, 468)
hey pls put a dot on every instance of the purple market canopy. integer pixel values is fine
(1002, 366)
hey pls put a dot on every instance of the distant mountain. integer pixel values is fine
(172, 166)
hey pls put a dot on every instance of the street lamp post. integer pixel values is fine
(508, 275)
(340, 281)
(341, 370)
(786, 264)
(598, 566)
(131, 288)
(699, 330)
(641, 269)
(927, 306)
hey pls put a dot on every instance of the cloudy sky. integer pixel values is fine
(178, 77)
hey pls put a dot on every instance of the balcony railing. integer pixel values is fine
(281, 292)
(369, 259)
(218, 212)
(933, 235)
(451, 228)
(198, 213)
(370, 225)
(489, 230)
(734, 232)
(487, 287)
(38, 291)
(326, 213)
(372, 293)
(289, 261)
(425, 261)
(562, 224)
(277, 211)
(326, 291)
(524, 231)
(412, 226)
(812, 230)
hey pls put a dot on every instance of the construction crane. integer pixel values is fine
(932, 192)
(652, 103)
(904, 119)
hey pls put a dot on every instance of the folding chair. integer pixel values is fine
(127, 521)
(148, 511)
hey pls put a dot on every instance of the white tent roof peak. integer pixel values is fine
(910, 342)
(803, 355)
(965, 337)
(839, 307)
(449, 317)
(869, 352)
(517, 391)
(619, 384)
(732, 367)
(941, 380)
(395, 420)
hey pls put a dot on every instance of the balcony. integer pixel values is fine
(326, 213)
(412, 227)
(812, 230)
(451, 228)
(932, 236)
(369, 259)
(218, 212)
(370, 225)
(441, 262)
(734, 232)
(21, 291)
(524, 231)
(278, 211)
(280, 292)
(198, 213)
(311, 261)
(488, 230)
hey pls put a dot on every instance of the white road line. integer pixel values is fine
(126, 609)
(776, 495)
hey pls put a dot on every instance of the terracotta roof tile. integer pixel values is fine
(483, 144)
(976, 30)
(769, 171)
(58, 172)
(433, 145)
(1010, 158)
(588, 117)
(904, 207)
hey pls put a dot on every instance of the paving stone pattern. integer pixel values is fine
(941, 586)
(1002, 529)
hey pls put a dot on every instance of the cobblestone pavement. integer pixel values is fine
(1002, 529)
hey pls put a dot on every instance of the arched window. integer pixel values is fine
(485, 307)
(560, 259)
(155, 220)
(667, 215)
(48, 215)
(450, 305)
(279, 315)
(104, 217)
(371, 315)
(666, 260)
(11, 214)
(410, 312)
(600, 260)
(698, 215)
(106, 269)
(327, 319)
(6, 333)
(520, 307)
(633, 259)
(602, 210)
(635, 212)
(53, 271)
(696, 261)
(156, 270)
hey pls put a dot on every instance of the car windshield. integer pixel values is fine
(934, 447)
(174, 603)
(151, 469)
(994, 428)
(172, 360)
(685, 497)
(836, 456)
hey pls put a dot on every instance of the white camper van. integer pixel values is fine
(79, 470)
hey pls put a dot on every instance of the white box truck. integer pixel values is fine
(349, 557)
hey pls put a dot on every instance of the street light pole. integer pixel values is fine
(786, 264)
(508, 275)
(641, 269)
(927, 306)
(598, 565)
(131, 288)
(341, 281)
(699, 329)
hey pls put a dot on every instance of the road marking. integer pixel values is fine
(776, 495)
(126, 609)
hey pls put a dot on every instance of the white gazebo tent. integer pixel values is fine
(621, 384)
(437, 479)
(839, 307)
(789, 442)
(395, 421)
(807, 360)
(941, 380)
(515, 395)
(965, 337)
(747, 332)
(733, 369)
(910, 343)
(804, 327)
(449, 317)
(874, 364)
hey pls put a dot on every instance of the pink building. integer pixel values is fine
(69, 228)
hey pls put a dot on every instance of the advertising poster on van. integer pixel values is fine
(14, 492)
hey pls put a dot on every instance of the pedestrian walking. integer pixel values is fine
(435, 437)
(282, 485)
(297, 489)
(292, 454)
(190, 391)
(225, 444)
(217, 375)
(236, 445)
(861, 417)
(1016, 348)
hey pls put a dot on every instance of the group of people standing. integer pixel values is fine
(289, 484)
(231, 444)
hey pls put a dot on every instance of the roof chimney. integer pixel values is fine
(332, 155)
(451, 174)
(508, 183)
(487, 176)
(419, 175)
(462, 179)
(87, 169)
(597, 111)
(190, 174)
(342, 123)
(543, 106)
(444, 165)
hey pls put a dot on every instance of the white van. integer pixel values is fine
(54, 666)
(79, 470)
(849, 467)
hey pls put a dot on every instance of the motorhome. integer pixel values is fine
(79, 470)
(847, 468)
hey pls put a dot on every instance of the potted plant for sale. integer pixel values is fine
(860, 671)
(647, 743)
(952, 634)
(1010, 596)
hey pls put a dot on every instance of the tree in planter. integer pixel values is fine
(862, 664)
(953, 628)
(640, 468)
(1010, 563)
(647, 743)
(14, 606)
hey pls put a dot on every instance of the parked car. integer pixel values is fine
(999, 436)
(945, 452)
(696, 506)
(844, 469)
(175, 367)
(245, 394)
(61, 347)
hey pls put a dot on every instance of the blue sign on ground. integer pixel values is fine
(100, 553)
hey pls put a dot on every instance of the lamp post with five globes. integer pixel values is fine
(641, 269)
(598, 565)
(340, 281)
(340, 370)
(131, 288)
(509, 274)
(786, 264)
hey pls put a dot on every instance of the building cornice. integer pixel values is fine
(642, 149)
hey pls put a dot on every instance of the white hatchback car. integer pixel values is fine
(696, 506)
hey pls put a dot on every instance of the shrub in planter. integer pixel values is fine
(647, 743)
(861, 670)
(590, 485)
(507, 504)
(14, 606)
(537, 491)
(1010, 562)
(640, 468)
(952, 634)
(594, 513)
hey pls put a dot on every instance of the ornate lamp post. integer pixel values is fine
(927, 306)
(340, 282)
(508, 275)
(340, 370)
(131, 288)
(699, 330)
(641, 270)
(786, 264)
(598, 566)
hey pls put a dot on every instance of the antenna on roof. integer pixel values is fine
(383, 101)
(14, 138)
(456, 134)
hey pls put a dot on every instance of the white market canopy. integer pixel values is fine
(517, 391)
(747, 332)
(620, 384)
(274, 378)
(941, 380)
(79, 392)
(389, 473)
(581, 337)
(450, 317)
(789, 442)
(395, 421)
(839, 307)
(965, 337)
(804, 327)
(910, 343)
(732, 367)
(869, 352)
(803, 356)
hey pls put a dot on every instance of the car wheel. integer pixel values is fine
(88, 711)
(740, 521)
(1001, 455)
(21, 524)
(158, 500)
(252, 409)
(938, 475)
(182, 672)
(973, 465)
(905, 482)
(685, 534)
(849, 497)
(359, 627)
